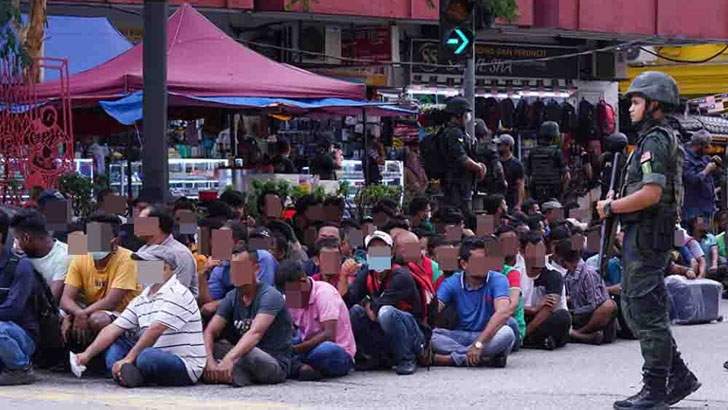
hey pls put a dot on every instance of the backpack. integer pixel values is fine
(49, 322)
(587, 121)
(569, 120)
(606, 117)
(432, 150)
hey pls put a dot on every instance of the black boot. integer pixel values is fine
(681, 382)
(652, 396)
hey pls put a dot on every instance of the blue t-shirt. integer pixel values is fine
(474, 306)
(220, 277)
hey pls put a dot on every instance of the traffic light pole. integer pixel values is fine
(469, 85)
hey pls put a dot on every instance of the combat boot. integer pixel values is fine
(651, 397)
(681, 382)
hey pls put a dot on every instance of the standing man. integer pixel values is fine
(648, 205)
(545, 165)
(698, 173)
(513, 170)
(462, 169)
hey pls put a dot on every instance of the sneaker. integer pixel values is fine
(498, 361)
(677, 390)
(16, 377)
(406, 368)
(549, 343)
(131, 377)
(307, 373)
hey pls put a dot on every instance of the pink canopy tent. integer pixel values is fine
(203, 61)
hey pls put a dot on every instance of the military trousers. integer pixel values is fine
(458, 196)
(645, 304)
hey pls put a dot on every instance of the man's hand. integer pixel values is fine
(225, 371)
(297, 348)
(82, 359)
(210, 264)
(473, 356)
(690, 274)
(710, 168)
(713, 270)
(370, 312)
(81, 331)
(717, 160)
(116, 369)
(209, 375)
(80, 321)
(549, 301)
(66, 328)
(208, 309)
(349, 268)
(483, 171)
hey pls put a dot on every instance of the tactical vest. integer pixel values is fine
(544, 171)
(672, 194)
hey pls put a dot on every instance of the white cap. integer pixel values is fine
(379, 235)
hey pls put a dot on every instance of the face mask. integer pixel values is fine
(98, 255)
(379, 263)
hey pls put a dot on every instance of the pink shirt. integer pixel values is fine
(324, 304)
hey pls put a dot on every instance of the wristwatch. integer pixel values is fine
(608, 209)
(478, 345)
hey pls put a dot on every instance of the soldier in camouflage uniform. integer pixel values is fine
(649, 200)
(545, 165)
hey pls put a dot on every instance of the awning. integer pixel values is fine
(129, 109)
(692, 79)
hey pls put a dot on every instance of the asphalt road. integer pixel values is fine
(575, 377)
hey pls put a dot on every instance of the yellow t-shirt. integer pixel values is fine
(120, 273)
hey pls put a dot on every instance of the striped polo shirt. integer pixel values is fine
(175, 307)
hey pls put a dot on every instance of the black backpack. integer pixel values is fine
(432, 152)
(49, 322)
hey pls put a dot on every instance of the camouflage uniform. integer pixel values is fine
(648, 236)
(458, 184)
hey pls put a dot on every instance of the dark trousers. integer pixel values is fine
(257, 366)
(557, 326)
(394, 338)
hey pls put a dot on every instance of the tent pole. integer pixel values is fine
(155, 166)
(365, 154)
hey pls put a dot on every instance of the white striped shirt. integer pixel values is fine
(174, 306)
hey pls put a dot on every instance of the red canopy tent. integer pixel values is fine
(203, 61)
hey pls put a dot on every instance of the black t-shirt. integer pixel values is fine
(323, 165)
(513, 170)
(277, 339)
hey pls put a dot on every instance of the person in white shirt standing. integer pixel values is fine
(170, 349)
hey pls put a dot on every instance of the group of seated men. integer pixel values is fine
(163, 298)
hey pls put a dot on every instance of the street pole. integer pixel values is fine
(155, 167)
(469, 84)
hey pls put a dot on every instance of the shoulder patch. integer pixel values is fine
(646, 157)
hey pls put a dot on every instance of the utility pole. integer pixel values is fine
(155, 166)
(469, 84)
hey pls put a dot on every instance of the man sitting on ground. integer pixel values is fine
(482, 300)
(517, 321)
(49, 256)
(256, 346)
(99, 286)
(169, 350)
(324, 345)
(346, 272)
(19, 326)
(387, 322)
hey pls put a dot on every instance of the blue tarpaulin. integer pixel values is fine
(85, 41)
(129, 109)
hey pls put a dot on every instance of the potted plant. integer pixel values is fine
(78, 189)
(368, 196)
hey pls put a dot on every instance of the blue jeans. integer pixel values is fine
(156, 366)
(16, 347)
(328, 358)
(517, 332)
(394, 338)
(457, 342)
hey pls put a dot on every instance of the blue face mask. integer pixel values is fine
(379, 263)
(98, 255)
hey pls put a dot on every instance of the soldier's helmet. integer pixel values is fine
(457, 106)
(615, 142)
(655, 86)
(548, 131)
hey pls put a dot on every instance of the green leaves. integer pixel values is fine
(370, 195)
(79, 190)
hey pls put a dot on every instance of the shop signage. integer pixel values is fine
(497, 60)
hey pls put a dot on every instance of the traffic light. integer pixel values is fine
(456, 30)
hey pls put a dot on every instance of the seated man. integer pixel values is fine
(387, 320)
(256, 346)
(547, 318)
(99, 286)
(594, 311)
(482, 300)
(325, 344)
(517, 321)
(341, 279)
(49, 256)
(19, 328)
(169, 350)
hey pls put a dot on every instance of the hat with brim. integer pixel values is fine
(156, 253)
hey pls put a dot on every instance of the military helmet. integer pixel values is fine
(615, 142)
(457, 106)
(655, 86)
(549, 130)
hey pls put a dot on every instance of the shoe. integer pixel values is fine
(131, 377)
(549, 343)
(406, 368)
(678, 388)
(427, 357)
(725, 365)
(307, 373)
(16, 377)
(652, 396)
(498, 361)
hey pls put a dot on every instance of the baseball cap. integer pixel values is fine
(379, 235)
(261, 232)
(551, 205)
(156, 253)
(701, 137)
(505, 139)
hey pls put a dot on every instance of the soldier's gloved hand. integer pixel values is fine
(718, 160)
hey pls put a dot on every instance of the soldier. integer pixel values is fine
(462, 169)
(495, 181)
(545, 165)
(647, 208)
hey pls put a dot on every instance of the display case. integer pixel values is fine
(353, 171)
(82, 167)
(187, 176)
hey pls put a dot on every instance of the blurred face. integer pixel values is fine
(245, 256)
(467, 266)
(328, 232)
(504, 149)
(638, 108)
(406, 241)
(28, 243)
(700, 225)
(167, 271)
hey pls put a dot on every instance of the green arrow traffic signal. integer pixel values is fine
(460, 38)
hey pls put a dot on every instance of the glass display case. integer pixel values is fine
(187, 176)
(352, 171)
